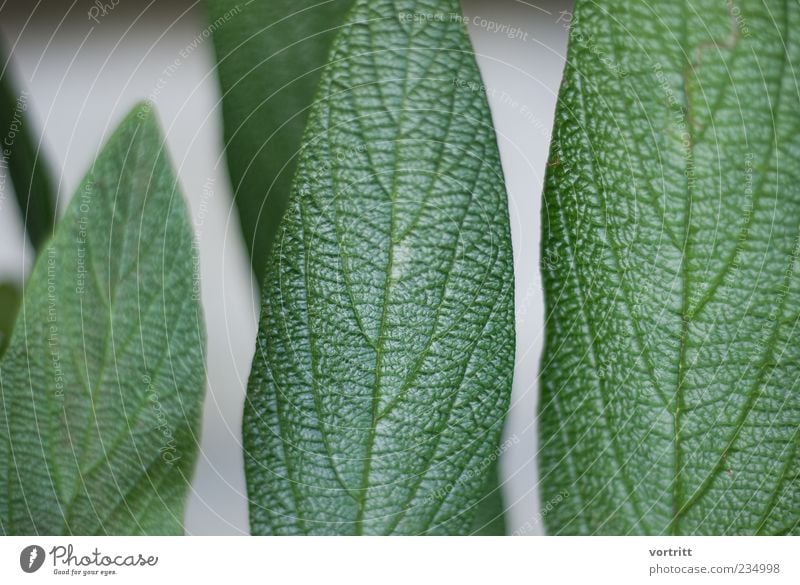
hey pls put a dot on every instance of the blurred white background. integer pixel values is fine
(84, 76)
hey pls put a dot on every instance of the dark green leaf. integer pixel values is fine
(271, 54)
(670, 402)
(9, 304)
(24, 162)
(102, 384)
(490, 511)
(386, 346)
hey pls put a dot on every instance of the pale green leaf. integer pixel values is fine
(101, 387)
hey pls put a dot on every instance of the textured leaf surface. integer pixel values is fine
(271, 54)
(102, 384)
(670, 377)
(24, 163)
(386, 345)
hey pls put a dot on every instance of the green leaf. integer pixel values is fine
(672, 205)
(270, 54)
(103, 382)
(490, 517)
(24, 162)
(9, 305)
(386, 346)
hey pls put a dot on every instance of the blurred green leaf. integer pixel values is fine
(490, 517)
(20, 159)
(9, 305)
(270, 56)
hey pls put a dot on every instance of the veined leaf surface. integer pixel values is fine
(385, 352)
(672, 206)
(101, 387)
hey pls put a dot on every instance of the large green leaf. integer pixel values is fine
(670, 400)
(270, 54)
(23, 162)
(102, 384)
(385, 352)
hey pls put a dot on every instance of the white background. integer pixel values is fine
(83, 77)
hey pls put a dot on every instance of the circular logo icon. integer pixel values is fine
(31, 558)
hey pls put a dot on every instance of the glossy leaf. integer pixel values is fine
(385, 352)
(670, 401)
(270, 56)
(102, 384)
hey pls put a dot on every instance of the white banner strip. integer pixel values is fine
(406, 561)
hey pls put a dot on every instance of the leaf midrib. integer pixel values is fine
(376, 414)
(379, 350)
